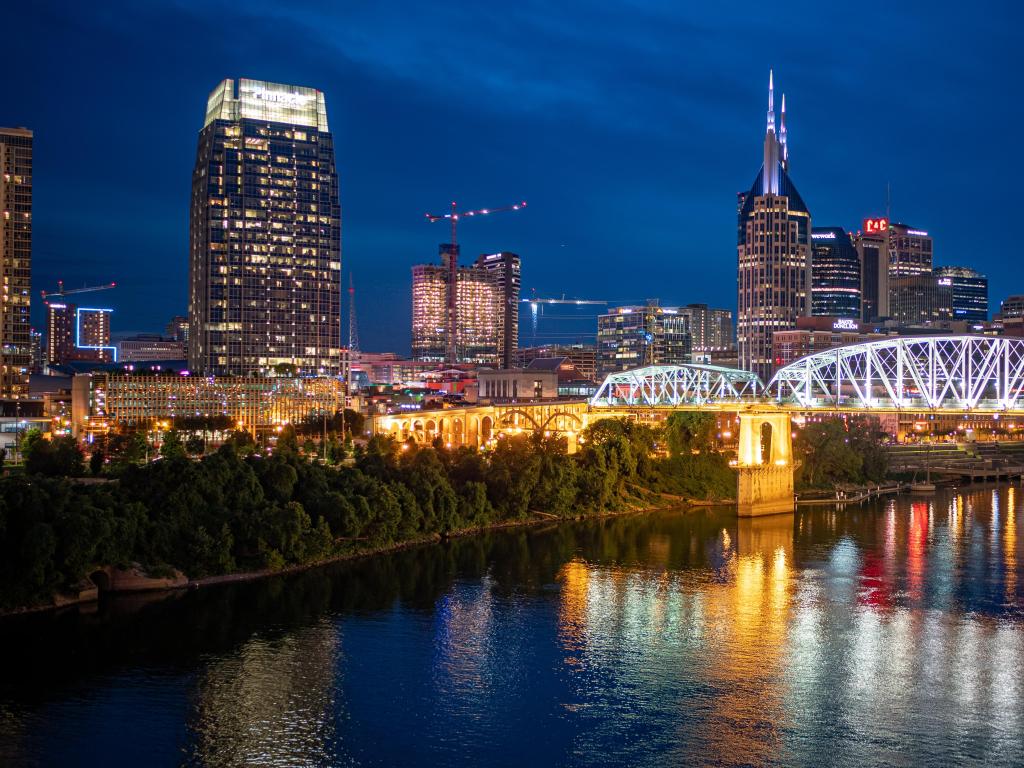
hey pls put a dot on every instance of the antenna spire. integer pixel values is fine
(782, 134)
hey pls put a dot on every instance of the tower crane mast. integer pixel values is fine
(453, 217)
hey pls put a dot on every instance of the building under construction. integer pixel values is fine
(487, 309)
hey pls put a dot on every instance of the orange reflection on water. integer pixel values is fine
(1010, 546)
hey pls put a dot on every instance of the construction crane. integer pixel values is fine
(453, 217)
(535, 303)
(61, 293)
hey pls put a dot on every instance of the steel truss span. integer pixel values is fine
(674, 385)
(936, 373)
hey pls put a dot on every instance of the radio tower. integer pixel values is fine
(353, 329)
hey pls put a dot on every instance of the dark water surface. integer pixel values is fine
(891, 634)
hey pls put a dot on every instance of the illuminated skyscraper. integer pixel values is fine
(77, 333)
(265, 235)
(835, 274)
(487, 297)
(632, 337)
(60, 332)
(774, 250)
(872, 246)
(15, 260)
(970, 292)
(506, 268)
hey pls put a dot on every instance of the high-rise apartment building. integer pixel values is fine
(835, 274)
(711, 331)
(60, 332)
(15, 260)
(77, 333)
(774, 250)
(92, 333)
(506, 269)
(487, 300)
(632, 337)
(970, 292)
(265, 234)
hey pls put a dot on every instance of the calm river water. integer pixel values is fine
(891, 634)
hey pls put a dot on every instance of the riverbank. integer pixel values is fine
(85, 597)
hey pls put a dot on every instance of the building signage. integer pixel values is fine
(874, 226)
(823, 236)
(845, 324)
(281, 97)
(945, 281)
(917, 232)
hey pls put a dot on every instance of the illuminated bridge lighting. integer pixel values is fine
(935, 373)
(675, 385)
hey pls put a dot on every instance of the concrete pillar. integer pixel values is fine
(764, 484)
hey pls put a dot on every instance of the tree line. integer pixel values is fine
(239, 509)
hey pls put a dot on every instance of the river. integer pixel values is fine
(887, 634)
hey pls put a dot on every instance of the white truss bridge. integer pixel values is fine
(950, 374)
(678, 385)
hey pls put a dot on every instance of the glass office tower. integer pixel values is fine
(265, 235)
(835, 274)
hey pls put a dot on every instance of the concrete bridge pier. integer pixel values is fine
(765, 465)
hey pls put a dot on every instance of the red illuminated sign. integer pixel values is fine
(876, 225)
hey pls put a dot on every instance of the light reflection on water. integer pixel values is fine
(889, 634)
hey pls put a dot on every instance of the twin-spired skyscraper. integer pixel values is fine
(265, 234)
(774, 248)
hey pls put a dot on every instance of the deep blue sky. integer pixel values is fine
(629, 128)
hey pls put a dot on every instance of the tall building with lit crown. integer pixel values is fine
(970, 292)
(265, 234)
(872, 246)
(487, 297)
(15, 260)
(774, 252)
(835, 274)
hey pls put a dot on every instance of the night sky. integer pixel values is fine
(629, 129)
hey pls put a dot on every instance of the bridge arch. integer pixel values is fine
(562, 415)
(675, 385)
(929, 373)
(503, 419)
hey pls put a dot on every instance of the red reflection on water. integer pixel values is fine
(875, 590)
(917, 544)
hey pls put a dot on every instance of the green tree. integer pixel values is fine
(172, 447)
(194, 445)
(96, 461)
(690, 432)
(826, 454)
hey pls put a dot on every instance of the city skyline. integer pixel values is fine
(659, 161)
